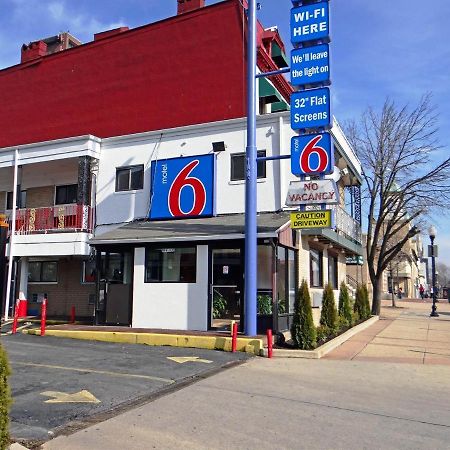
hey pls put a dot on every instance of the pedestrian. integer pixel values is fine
(399, 293)
(421, 291)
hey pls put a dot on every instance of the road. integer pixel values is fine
(110, 378)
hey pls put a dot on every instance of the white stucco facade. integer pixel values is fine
(179, 306)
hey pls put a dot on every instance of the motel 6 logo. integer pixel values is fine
(312, 154)
(183, 187)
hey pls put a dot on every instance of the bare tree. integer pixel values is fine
(444, 273)
(398, 149)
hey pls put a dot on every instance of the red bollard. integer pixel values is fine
(234, 338)
(269, 343)
(16, 318)
(43, 316)
(72, 314)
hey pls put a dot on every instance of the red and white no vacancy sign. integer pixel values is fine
(312, 192)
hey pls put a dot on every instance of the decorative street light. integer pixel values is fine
(432, 234)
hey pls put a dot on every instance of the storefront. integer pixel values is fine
(188, 274)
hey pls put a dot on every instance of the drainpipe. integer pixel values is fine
(13, 232)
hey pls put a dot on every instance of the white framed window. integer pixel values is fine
(130, 178)
(238, 166)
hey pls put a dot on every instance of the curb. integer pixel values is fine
(325, 348)
(17, 446)
(247, 345)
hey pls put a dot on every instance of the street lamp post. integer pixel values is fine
(432, 234)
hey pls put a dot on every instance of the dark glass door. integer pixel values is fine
(115, 288)
(226, 288)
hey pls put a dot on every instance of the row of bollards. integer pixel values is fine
(234, 332)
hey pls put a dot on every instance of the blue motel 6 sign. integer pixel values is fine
(312, 154)
(183, 187)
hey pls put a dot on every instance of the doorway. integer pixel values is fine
(114, 301)
(226, 288)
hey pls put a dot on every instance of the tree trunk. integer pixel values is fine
(377, 289)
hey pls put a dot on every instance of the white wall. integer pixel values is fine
(176, 306)
(115, 207)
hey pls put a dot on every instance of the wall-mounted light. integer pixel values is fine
(218, 146)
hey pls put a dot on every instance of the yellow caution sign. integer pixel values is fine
(3, 221)
(311, 219)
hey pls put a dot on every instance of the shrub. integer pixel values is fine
(303, 331)
(342, 324)
(362, 303)
(345, 309)
(219, 306)
(328, 315)
(264, 303)
(323, 333)
(4, 400)
(366, 301)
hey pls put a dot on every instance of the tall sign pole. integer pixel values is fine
(250, 311)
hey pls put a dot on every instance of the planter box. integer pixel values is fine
(321, 351)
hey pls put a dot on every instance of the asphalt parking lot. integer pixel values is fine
(59, 385)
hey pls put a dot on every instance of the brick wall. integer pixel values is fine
(66, 292)
(40, 197)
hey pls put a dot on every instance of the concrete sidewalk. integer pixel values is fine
(306, 404)
(405, 334)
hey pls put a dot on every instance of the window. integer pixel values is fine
(281, 280)
(42, 271)
(291, 280)
(66, 194)
(89, 272)
(333, 271)
(171, 265)
(238, 166)
(316, 273)
(21, 199)
(129, 178)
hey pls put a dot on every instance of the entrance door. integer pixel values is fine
(115, 295)
(226, 288)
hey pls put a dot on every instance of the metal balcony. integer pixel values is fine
(346, 225)
(54, 219)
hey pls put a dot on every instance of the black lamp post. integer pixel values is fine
(432, 234)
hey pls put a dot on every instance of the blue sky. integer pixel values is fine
(379, 48)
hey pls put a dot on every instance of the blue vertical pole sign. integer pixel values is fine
(250, 181)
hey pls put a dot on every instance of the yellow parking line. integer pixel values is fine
(100, 372)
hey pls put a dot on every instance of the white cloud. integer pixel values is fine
(56, 10)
